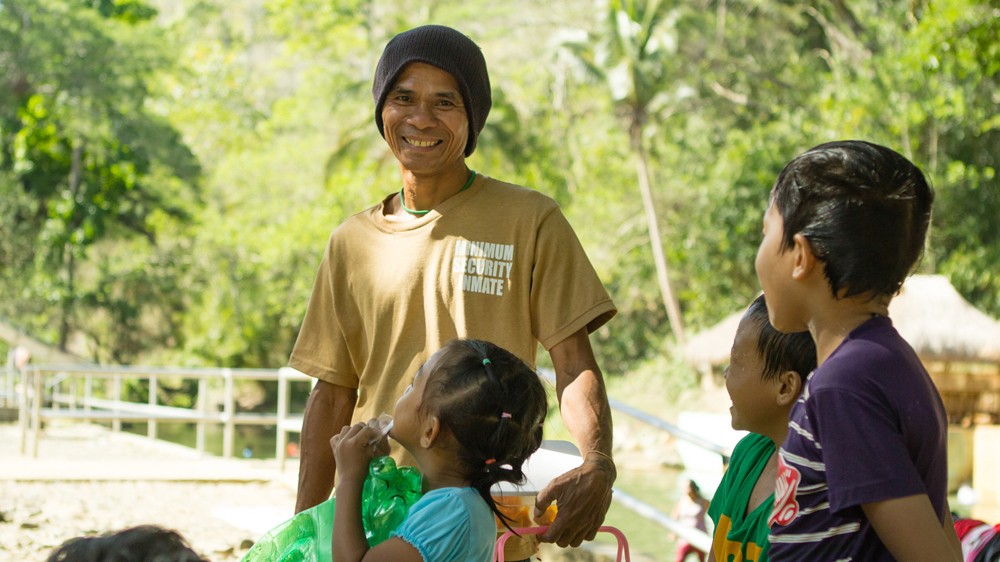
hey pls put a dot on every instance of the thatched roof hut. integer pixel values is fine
(710, 347)
(941, 325)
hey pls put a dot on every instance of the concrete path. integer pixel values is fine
(84, 452)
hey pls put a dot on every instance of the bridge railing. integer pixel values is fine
(94, 393)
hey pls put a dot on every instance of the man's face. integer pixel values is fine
(424, 120)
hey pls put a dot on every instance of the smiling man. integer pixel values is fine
(451, 253)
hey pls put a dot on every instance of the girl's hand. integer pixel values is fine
(353, 449)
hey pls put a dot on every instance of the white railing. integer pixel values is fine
(69, 390)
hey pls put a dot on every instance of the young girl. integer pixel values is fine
(471, 418)
(764, 378)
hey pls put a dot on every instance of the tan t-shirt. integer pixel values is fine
(496, 262)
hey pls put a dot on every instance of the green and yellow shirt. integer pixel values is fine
(740, 536)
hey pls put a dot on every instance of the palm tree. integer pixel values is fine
(632, 56)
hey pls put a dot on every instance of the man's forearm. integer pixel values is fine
(584, 493)
(585, 411)
(328, 410)
(583, 399)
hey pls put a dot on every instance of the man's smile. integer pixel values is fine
(421, 143)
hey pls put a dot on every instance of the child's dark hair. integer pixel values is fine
(494, 405)
(780, 352)
(137, 544)
(865, 210)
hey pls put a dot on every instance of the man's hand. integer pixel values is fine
(583, 496)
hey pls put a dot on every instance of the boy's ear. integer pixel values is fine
(429, 431)
(789, 388)
(804, 260)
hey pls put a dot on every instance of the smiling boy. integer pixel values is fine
(764, 379)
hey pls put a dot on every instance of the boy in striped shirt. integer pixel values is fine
(862, 474)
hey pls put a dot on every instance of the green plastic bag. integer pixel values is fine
(306, 537)
(386, 498)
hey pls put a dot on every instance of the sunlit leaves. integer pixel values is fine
(91, 162)
(217, 143)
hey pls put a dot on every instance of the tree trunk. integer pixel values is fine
(655, 241)
(75, 173)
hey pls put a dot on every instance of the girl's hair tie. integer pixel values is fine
(486, 361)
(490, 461)
(505, 415)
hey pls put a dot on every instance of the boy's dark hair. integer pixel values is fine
(145, 543)
(781, 352)
(865, 210)
(494, 405)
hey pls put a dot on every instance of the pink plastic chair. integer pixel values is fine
(622, 542)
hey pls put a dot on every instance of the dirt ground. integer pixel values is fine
(87, 480)
(62, 495)
(36, 517)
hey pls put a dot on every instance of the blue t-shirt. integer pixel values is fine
(450, 524)
(870, 426)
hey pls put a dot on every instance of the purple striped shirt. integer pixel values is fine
(869, 427)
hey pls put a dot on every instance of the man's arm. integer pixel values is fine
(583, 494)
(328, 410)
(910, 529)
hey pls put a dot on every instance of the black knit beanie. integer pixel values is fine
(448, 50)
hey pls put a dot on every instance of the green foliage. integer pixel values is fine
(954, 121)
(128, 11)
(170, 171)
(84, 161)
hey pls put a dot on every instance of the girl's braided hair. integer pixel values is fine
(494, 405)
